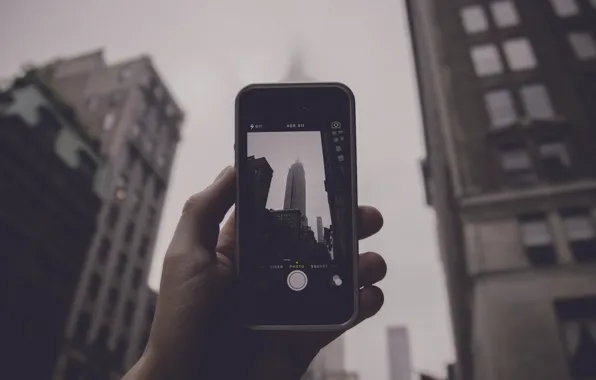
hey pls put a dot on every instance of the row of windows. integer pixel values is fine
(546, 160)
(504, 14)
(95, 280)
(535, 100)
(538, 240)
(518, 52)
(568, 8)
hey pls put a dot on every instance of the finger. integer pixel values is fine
(372, 268)
(370, 221)
(371, 301)
(226, 243)
(203, 212)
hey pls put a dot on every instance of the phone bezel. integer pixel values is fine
(354, 188)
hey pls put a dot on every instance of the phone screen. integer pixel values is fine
(296, 204)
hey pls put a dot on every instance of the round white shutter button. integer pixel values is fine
(297, 280)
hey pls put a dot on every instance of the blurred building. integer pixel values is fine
(508, 96)
(400, 362)
(50, 172)
(127, 107)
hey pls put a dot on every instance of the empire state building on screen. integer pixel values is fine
(295, 197)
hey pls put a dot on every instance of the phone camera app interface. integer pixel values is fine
(297, 175)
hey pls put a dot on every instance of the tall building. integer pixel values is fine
(50, 172)
(320, 230)
(127, 107)
(398, 349)
(295, 196)
(508, 95)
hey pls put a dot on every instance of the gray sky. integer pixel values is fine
(206, 50)
(281, 149)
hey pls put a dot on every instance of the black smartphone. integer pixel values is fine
(296, 206)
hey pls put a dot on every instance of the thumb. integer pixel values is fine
(203, 213)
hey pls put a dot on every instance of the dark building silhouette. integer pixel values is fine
(295, 196)
(335, 144)
(320, 232)
(262, 173)
(127, 107)
(508, 97)
(49, 170)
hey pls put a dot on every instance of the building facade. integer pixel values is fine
(50, 172)
(508, 97)
(398, 349)
(126, 107)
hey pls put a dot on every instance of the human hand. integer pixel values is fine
(196, 333)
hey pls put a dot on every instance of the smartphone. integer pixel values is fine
(296, 206)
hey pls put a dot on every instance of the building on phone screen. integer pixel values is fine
(508, 95)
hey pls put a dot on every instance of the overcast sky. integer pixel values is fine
(207, 50)
(282, 149)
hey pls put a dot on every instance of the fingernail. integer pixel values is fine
(223, 172)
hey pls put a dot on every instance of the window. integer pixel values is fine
(501, 110)
(136, 278)
(517, 164)
(504, 13)
(121, 266)
(130, 228)
(520, 55)
(537, 239)
(144, 247)
(554, 160)
(486, 60)
(129, 312)
(121, 350)
(583, 45)
(577, 321)
(112, 217)
(581, 234)
(94, 283)
(82, 328)
(103, 251)
(474, 19)
(102, 336)
(108, 121)
(112, 301)
(536, 102)
(565, 8)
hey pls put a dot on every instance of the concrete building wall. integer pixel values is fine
(502, 304)
(129, 110)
